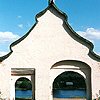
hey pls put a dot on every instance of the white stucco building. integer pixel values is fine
(50, 48)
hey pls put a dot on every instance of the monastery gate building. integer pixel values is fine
(51, 50)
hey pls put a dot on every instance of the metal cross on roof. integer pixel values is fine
(51, 1)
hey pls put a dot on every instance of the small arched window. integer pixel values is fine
(23, 89)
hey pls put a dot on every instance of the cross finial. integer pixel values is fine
(51, 2)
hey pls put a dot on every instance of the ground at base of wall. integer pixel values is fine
(69, 99)
(22, 99)
(73, 99)
(60, 99)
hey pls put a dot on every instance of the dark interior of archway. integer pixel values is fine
(69, 81)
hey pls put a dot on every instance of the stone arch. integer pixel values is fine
(23, 86)
(76, 66)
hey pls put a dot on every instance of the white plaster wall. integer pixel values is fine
(47, 44)
(4, 81)
(95, 81)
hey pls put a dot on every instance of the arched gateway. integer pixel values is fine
(72, 79)
(69, 84)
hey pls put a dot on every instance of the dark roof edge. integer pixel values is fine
(91, 46)
(15, 43)
(91, 53)
(55, 7)
(23, 37)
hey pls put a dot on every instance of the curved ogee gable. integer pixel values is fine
(54, 10)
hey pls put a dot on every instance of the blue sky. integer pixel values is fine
(17, 17)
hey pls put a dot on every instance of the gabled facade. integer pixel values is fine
(50, 48)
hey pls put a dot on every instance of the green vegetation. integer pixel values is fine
(23, 84)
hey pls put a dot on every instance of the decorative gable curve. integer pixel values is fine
(53, 9)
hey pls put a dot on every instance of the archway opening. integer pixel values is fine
(69, 84)
(23, 89)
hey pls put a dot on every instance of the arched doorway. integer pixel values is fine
(69, 84)
(23, 89)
